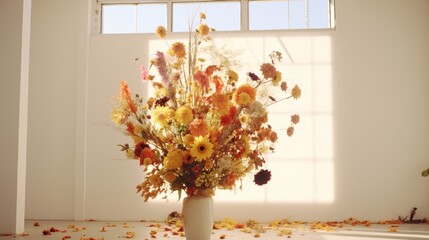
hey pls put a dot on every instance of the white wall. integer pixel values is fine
(52, 110)
(379, 60)
(381, 101)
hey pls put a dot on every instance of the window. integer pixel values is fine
(289, 14)
(133, 18)
(230, 11)
(143, 16)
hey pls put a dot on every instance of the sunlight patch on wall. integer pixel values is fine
(302, 166)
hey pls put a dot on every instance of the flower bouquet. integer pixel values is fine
(204, 128)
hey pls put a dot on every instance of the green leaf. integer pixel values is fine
(179, 192)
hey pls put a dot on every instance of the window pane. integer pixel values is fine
(318, 11)
(150, 16)
(298, 14)
(119, 18)
(223, 16)
(268, 15)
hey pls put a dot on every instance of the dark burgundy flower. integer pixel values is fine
(262, 177)
(139, 147)
(253, 76)
(161, 101)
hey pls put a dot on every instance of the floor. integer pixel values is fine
(350, 229)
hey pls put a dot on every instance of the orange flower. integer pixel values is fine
(244, 95)
(229, 180)
(220, 103)
(208, 165)
(268, 70)
(161, 32)
(125, 94)
(178, 50)
(203, 29)
(198, 127)
(218, 83)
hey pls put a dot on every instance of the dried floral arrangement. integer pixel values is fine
(204, 128)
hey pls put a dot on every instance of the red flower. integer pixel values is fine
(210, 69)
(146, 153)
(262, 177)
(225, 120)
(218, 83)
(138, 149)
(130, 128)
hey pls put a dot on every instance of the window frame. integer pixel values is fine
(244, 14)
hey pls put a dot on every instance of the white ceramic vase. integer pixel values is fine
(197, 214)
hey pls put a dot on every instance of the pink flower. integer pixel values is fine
(144, 73)
(161, 65)
(202, 79)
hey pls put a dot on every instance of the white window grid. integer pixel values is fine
(244, 12)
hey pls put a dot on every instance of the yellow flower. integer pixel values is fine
(296, 92)
(147, 161)
(184, 115)
(203, 29)
(246, 141)
(130, 154)
(173, 160)
(155, 180)
(277, 79)
(160, 90)
(162, 115)
(119, 116)
(137, 139)
(188, 140)
(178, 50)
(244, 95)
(202, 16)
(232, 76)
(202, 148)
(161, 32)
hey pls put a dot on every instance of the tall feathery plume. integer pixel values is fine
(161, 65)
